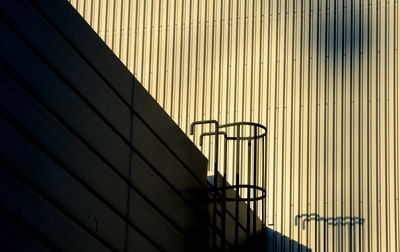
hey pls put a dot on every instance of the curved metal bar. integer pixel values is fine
(246, 138)
(255, 125)
(251, 199)
(244, 186)
(246, 199)
(256, 188)
(243, 123)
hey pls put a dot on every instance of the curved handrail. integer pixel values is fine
(257, 125)
(255, 188)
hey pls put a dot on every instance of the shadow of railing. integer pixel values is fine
(339, 223)
(270, 240)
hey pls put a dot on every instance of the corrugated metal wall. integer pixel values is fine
(322, 76)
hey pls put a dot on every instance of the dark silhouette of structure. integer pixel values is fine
(252, 192)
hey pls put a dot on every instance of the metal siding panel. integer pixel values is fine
(322, 76)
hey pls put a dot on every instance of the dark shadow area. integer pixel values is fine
(89, 161)
(270, 240)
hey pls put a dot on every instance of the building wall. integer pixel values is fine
(323, 76)
(88, 160)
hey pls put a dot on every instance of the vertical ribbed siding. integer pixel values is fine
(322, 76)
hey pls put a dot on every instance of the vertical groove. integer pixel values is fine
(213, 24)
(387, 154)
(361, 171)
(283, 127)
(142, 79)
(334, 116)
(291, 181)
(121, 30)
(274, 139)
(317, 128)
(158, 51)
(151, 73)
(196, 64)
(105, 22)
(181, 64)
(113, 26)
(228, 64)
(135, 57)
(189, 85)
(369, 168)
(309, 101)
(165, 57)
(378, 170)
(204, 96)
(326, 109)
(128, 35)
(219, 117)
(171, 92)
(268, 84)
(396, 121)
(300, 142)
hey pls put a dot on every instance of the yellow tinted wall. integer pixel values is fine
(323, 76)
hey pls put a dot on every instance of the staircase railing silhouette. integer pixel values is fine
(337, 222)
(237, 134)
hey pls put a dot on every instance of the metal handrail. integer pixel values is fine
(252, 189)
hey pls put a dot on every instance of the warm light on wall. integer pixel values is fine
(323, 76)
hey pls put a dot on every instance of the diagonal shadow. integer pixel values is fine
(270, 240)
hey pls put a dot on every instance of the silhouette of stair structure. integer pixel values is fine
(226, 220)
(236, 209)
